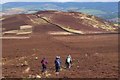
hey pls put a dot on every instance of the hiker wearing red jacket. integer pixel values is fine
(44, 63)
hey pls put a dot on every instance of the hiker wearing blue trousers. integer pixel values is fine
(57, 64)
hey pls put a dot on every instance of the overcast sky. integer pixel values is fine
(4, 1)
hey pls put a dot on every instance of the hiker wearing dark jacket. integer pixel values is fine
(44, 63)
(57, 64)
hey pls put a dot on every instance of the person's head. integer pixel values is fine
(57, 57)
(69, 56)
(44, 58)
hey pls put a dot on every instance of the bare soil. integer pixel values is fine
(93, 55)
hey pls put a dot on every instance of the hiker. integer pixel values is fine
(68, 61)
(44, 63)
(57, 64)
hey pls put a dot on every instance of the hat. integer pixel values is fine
(57, 57)
(69, 56)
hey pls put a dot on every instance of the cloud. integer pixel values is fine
(84, 0)
(64, 0)
(4, 1)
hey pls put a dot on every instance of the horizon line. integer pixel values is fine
(63, 2)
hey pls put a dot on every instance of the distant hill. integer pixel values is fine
(106, 10)
(73, 22)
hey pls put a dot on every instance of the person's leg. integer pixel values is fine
(42, 68)
(57, 70)
(67, 65)
(45, 68)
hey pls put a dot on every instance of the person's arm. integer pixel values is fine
(55, 61)
(65, 61)
(42, 61)
(71, 60)
(46, 62)
(60, 62)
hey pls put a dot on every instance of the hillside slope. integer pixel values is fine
(73, 22)
(77, 22)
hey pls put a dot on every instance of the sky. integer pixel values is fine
(5, 1)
